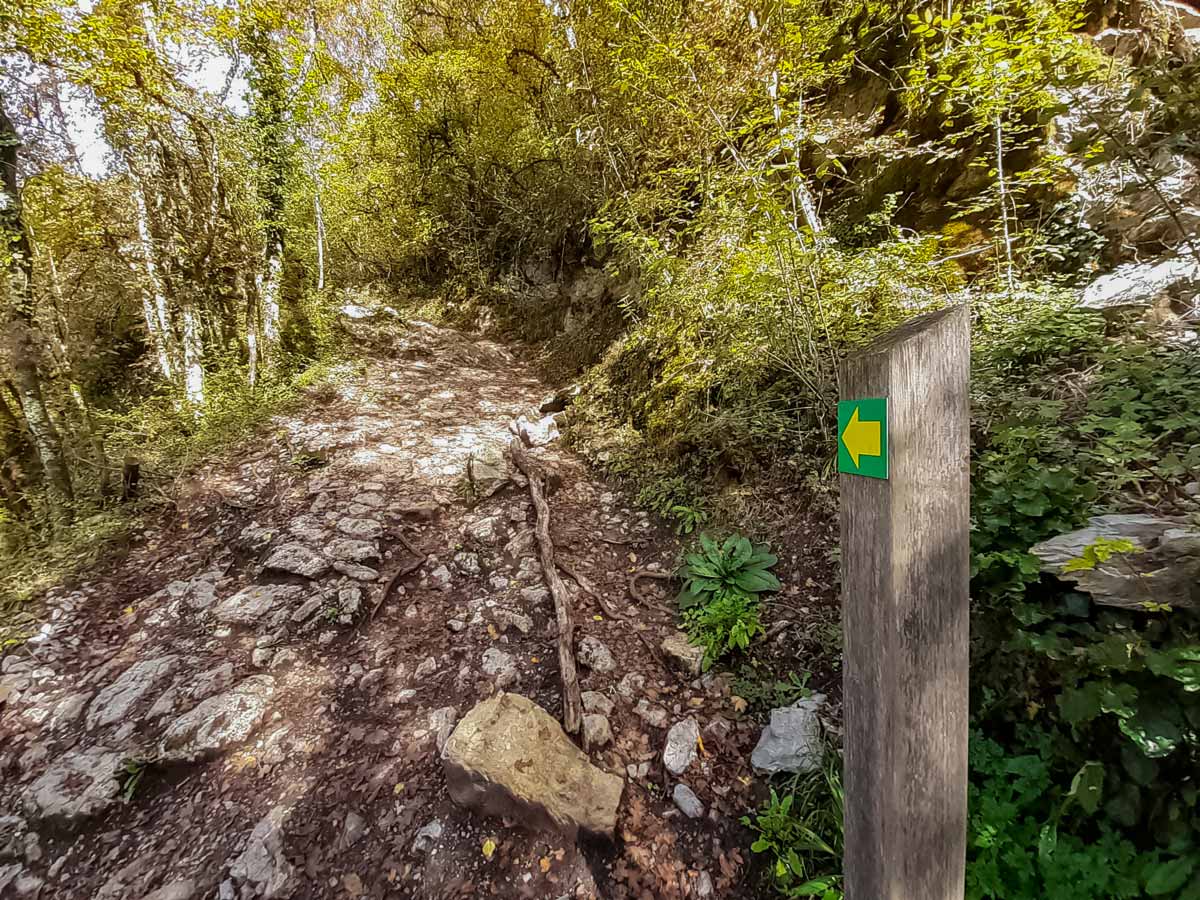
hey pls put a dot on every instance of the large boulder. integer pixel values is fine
(1165, 570)
(509, 757)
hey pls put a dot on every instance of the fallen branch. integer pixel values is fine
(572, 702)
(404, 570)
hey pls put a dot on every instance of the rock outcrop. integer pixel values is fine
(1165, 570)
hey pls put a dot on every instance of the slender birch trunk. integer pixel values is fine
(193, 354)
(21, 337)
(154, 301)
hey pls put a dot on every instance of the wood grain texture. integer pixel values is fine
(905, 572)
(563, 608)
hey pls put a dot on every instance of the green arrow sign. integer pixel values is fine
(862, 437)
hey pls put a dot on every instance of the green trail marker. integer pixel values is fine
(862, 437)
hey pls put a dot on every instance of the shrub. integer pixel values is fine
(800, 832)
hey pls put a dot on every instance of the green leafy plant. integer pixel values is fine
(800, 831)
(724, 625)
(130, 775)
(1099, 551)
(735, 568)
(764, 691)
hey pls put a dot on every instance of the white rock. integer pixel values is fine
(113, 703)
(687, 801)
(792, 741)
(651, 713)
(360, 529)
(262, 865)
(596, 702)
(680, 750)
(1139, 284)
(499, 664)
(427, 837)
(597, 732)
(259, 603)
(595, 655)
(77, 785)
(297, 559)
(426, 668)
(489, 530)
(219, 722)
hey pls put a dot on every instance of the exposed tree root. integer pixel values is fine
(406, 569)
(572, 702)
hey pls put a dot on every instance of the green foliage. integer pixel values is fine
(735, 568)
(1037, 828)
(765, 692)
(1089, 718)
(723, 625)
(130, 776)
(800, 832)
(1098, 551)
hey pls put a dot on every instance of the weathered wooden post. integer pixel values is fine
(903, 444)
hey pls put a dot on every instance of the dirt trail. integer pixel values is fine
(270, 738)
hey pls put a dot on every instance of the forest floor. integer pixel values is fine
(276, 739)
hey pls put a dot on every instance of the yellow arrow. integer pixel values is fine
(861, 438)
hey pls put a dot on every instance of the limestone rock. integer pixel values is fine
(537, 434)
(597, 732)
(77, 785)
(427, 837)
(680, 751)
(489, 530)
(1166, 570)
(184, 889)
(792, 741)
(500, 665)
(297, 559)
(687, 801)
(426, 668)
(509, 757)
(262, 865)
(488, 470)
(596, 702)
(13, 830)
(651, 713)
(219, 722)
(355, 571)
(260, 603)
(682, 653)
(1143, 284)
(351, 550)
(360, 529)
(113, 703)
(595, 655)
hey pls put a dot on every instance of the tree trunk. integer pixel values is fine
(320, 239)
(154, 301)
(21, 336)
(193, 354)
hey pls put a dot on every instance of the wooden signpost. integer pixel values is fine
(903, 443)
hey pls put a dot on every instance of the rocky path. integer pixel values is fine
(219, 715)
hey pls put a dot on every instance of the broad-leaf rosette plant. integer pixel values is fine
(735, 567)
(720, 592)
